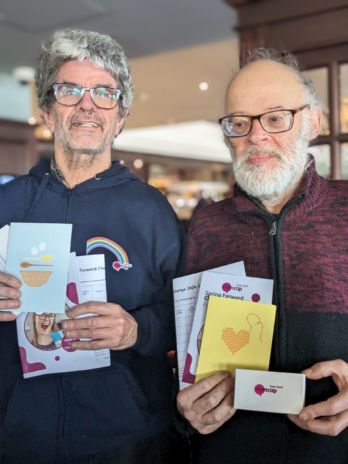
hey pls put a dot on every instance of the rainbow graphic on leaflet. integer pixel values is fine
(122, 261)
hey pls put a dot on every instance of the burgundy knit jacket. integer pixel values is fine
(305, 250)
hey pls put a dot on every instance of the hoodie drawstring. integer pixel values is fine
(39, 192)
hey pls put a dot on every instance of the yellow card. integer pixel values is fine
(237, 334)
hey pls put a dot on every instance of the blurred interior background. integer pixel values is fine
(182, 55)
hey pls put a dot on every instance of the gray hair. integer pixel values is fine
(286, 58)
(69, 44)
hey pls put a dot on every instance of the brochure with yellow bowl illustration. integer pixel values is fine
(38, 254)
(237, 334)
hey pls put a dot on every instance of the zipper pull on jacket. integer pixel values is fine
(273, 230)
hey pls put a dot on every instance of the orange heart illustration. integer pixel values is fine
(235, 341)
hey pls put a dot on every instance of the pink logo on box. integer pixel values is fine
(259, 389)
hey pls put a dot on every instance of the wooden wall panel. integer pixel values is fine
(18, 150)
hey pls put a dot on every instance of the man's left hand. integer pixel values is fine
(107, 325)
(328, 417)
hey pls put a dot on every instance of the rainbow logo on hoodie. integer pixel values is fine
(122, 261)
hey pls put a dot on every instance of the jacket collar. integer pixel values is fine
(310, 194)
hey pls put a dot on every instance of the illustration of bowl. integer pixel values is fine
(35, 278)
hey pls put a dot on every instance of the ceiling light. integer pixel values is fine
(143, 97)
(95, 6)
(180, 202)
(24, 74)
(138, 163)
(203, 86)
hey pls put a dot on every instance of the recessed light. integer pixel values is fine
(203, 86)
(143, 97)
(24, 74)
(138, 163)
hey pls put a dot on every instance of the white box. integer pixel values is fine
(266, 391)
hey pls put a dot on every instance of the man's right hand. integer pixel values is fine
(208, 404)
(9, 296)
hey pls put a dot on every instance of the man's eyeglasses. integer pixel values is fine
(71, 94)
(43, 316)
(239, 125)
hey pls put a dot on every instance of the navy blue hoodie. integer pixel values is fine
(115, 414)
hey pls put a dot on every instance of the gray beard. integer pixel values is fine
(83, 151)
(264, 183)
(65, 141)
(77, 151)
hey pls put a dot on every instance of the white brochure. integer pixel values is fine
(224, 285)
(185, 296)
(42, 345)
(4, 232)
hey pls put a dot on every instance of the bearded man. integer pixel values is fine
(122, 413)
(289, 224)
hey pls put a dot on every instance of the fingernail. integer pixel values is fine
(15, 294)
(13, 304)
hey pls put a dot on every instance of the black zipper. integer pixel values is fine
(275, 222)
(280, 354)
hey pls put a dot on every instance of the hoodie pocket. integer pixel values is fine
(104, 411)
(79, 415)
(32, 418)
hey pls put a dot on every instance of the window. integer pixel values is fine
(343, 81)
(322, 157)
(320, 78)
(344, 160)
(331, 147)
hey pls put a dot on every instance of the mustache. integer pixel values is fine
(86, 117)
(264, 150)
(238, 161)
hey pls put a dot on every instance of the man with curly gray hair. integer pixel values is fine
(120, 414)
(101, 50)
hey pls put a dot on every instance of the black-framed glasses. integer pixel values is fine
(43, 316)
(72, 94)
(273, 122)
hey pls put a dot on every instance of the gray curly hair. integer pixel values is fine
(74, 44)
(286, 58)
